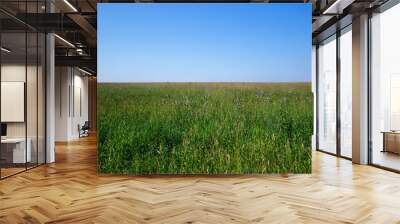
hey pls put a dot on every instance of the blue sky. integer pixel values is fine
(204, 42)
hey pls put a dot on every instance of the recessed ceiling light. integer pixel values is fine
(5, 50)
(338, 6)
(84, 71)
(70, 5)
(64, 40)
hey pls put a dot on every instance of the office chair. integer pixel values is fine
(84, 130)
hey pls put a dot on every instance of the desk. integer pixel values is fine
(13, 150)
(391, 141)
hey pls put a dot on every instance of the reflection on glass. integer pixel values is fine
(22, 92)
(14, 150)
(31, 100)
(346, 93)
(327, 95)
(41, 99)
(385, 93)
(394, 102)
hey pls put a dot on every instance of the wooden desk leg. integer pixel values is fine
(384, 142)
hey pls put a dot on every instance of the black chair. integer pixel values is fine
(84, 130)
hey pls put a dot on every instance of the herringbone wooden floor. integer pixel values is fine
(70, 191)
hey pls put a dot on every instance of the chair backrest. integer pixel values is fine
(86, 125)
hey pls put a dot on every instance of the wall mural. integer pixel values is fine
(204, 88)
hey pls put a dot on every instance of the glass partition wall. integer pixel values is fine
(345, 90)
(13, 89)
(334, 94)
(385, 89)
(22, 78)
(327, 95)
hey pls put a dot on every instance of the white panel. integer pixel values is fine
(50, 92)
(12, 101)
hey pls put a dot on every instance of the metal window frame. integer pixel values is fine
(387, 5)
(381, 9)
(339, 32)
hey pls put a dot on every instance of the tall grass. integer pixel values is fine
(204, 128)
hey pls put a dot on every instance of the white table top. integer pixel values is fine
(13, 140)
(391, 132)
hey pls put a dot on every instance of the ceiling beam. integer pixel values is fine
(86, 26)
(81, 61)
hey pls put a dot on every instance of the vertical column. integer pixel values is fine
(92, 99)
(360, 90)
(50, 92)
(338, 91)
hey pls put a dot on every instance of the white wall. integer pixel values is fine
(360, 89)
(70, 84)
(33, 127)
(62, 83)
(12, 73)
(80, 89)
(314, 90)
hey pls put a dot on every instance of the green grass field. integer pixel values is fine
(204, 128)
